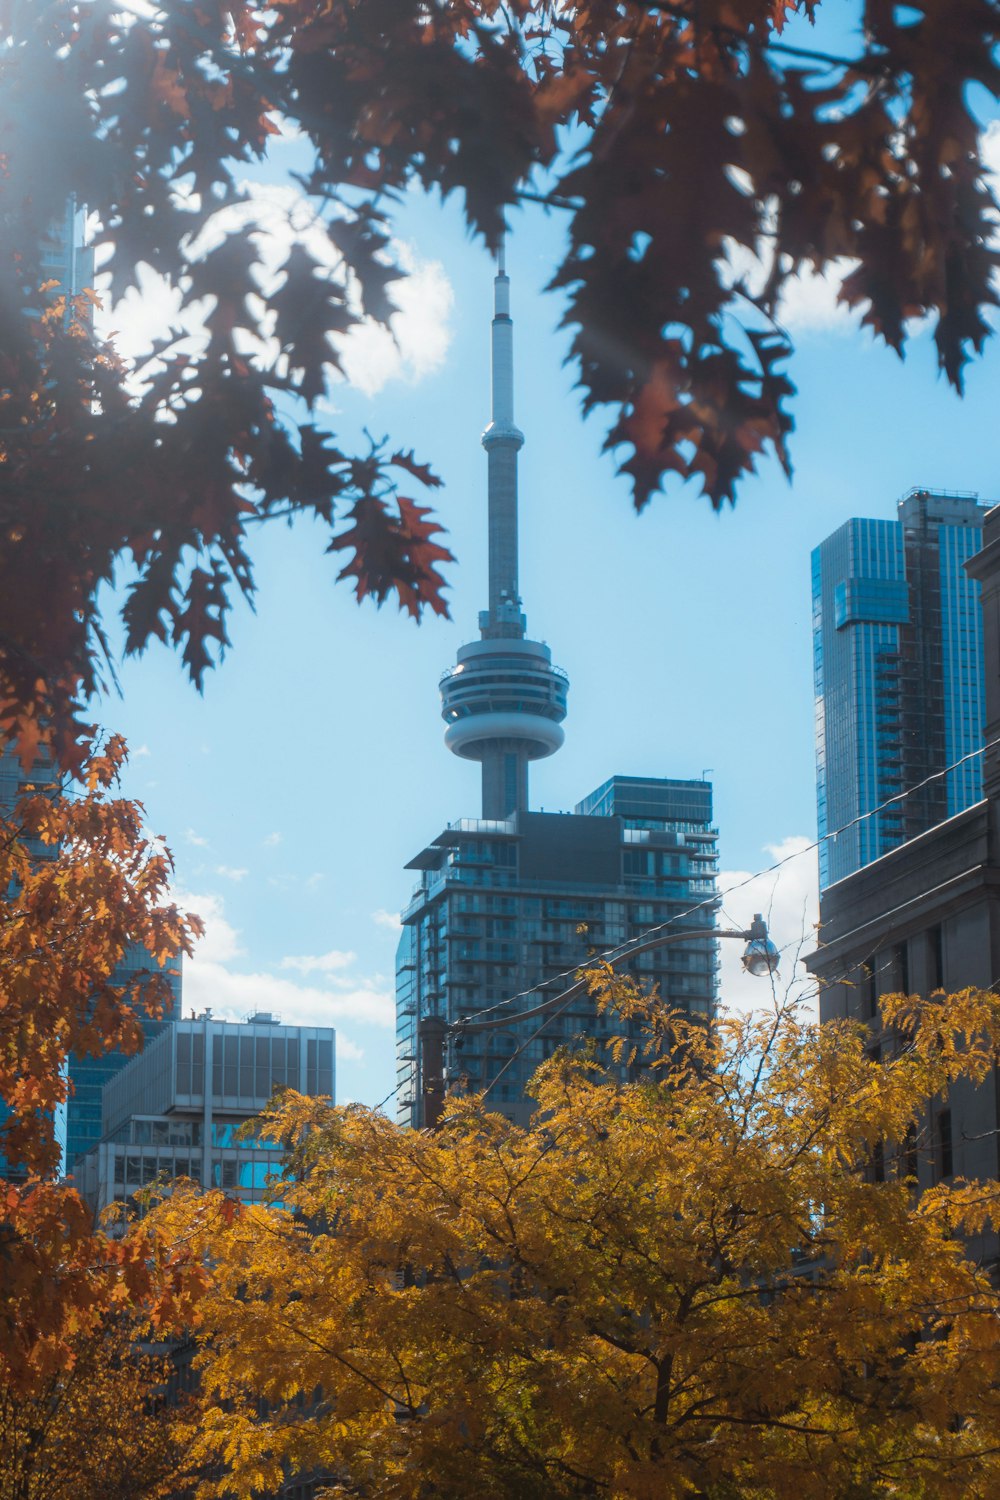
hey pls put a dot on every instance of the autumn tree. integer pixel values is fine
(700, 152)
(80, 883)
(693, 1284)
(97, 1428)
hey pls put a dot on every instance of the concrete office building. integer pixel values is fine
(897, 646)
(926, 916)
(175, 1109)
(516, 900)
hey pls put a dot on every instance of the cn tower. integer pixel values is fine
(503, 701)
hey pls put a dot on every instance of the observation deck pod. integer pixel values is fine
(504, 690)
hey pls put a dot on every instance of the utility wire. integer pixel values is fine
(714, 901)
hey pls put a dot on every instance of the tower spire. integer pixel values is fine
(504, 701)
(503, 441)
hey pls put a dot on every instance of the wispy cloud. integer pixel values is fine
(196, 839)
(387, 919)
(320, 963)
(215, 980)
(220, 942)
(277, 217)
(271, 840)
(232, 872)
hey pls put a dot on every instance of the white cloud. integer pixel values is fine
(196, 839)
(348, 1051)
(320, 963)
(271, 840)
(314, 881)
(231, 872)
(147, 312)
(417, 340)
(221, 941)
(788, 899)
(233, 995)
(138, 754)
(387, 919)
(278, 216)
(991, 150)
(809, 302)
(213, 981)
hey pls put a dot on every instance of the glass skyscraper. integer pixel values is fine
(897, 657)
(511, 904)
(88, 1075)
(68, 264)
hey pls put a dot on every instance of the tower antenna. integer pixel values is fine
(504, 701)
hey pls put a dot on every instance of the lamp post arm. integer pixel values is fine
(434, 1033)
(496, 1023)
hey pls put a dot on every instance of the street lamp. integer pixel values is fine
(760, 957)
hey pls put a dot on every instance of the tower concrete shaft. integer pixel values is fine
(504, 701)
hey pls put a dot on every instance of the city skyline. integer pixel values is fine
(707, 663)
(898, 658)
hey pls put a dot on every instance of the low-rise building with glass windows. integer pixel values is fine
(176, 1109)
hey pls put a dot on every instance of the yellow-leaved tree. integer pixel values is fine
(690, 1284)
(96, 1428)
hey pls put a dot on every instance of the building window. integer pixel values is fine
(901, 968)
(935, 959)
(943, 1144)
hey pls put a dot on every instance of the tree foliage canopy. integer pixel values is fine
(80, 884)
(700, 156)
(96, 1428)
(694, 1284)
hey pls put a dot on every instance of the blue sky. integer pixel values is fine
(294, 790)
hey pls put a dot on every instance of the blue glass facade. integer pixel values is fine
(78, 1121)
(66, 261)
(505, 906)
(15, 782)
(88, 1075)
(897, 658)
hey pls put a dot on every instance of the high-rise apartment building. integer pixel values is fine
(510, 905)
(897, 650)
(507, 906)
